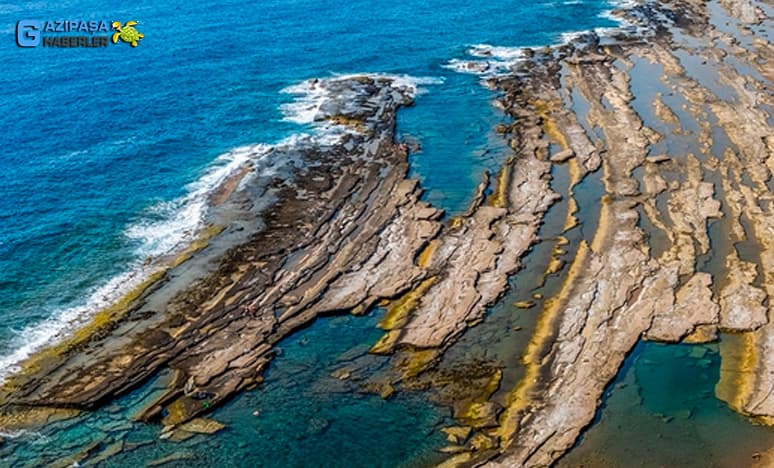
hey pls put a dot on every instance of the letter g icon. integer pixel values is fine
(28, 33)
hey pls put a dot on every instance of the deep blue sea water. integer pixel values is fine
(105, 152)
(100, 146)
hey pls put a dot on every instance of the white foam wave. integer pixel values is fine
(412, 84)
(311, 95)
(55, 327)
(36, 437)
(571, 36)
(170, 225)
(306, 105)
(167, 229)
(615, 15)
(488, 60)
(500, 53)
(624, 4)
(415, 84)
(476, 67)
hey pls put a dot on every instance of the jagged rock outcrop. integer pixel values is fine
(351, 231)
(341, 236)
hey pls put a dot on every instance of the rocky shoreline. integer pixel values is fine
(617, 289)
(340, 236)
(341, 228)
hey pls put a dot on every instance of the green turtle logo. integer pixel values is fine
(126, 33)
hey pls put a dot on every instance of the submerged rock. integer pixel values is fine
(317, 426)
(217, 334)
(479, 415)
(172, 458)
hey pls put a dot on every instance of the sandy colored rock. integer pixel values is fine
(340, 234)
(658, 158)
(562, 156)
(457, 434)
(202, 426)
(741, 304)
(694, 307)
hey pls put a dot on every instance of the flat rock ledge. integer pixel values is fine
(342, 232)
(623, 286)
(346, 230)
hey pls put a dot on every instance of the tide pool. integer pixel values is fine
(102, 144)
(662, 411)
(107, 154)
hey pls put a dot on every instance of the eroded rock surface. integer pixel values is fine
(342, 235)
(348, 230)
(617, 290)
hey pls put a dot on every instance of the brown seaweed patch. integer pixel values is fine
(358, 124)
(738, 365)
(413, 362)
(398, 310)
(499, 198)
(426, 255)
(521, 396)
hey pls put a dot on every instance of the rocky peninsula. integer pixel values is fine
(341, 228)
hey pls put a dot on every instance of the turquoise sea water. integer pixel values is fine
(104, 149)
(662, 411)
(107, 156)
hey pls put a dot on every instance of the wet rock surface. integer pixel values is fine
(615, 292)
(341, 236)
(345, 230)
